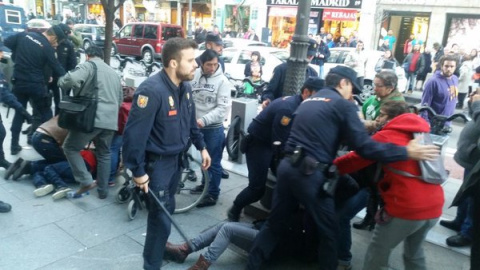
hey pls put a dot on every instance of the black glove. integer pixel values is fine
(26, 115)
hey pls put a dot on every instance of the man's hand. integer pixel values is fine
(265, 103)
(206, 160)
(200, 123)
(418, 151)
(142, 182)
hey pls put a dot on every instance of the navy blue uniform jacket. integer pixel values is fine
(6, 95)
(274, 122)
(325, 120)
(161, 121)
(31, 52)
(275, 86)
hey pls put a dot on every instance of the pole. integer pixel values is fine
(179, 13)
(189, 18)
(297, 63)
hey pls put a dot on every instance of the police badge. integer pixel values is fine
(142, 101)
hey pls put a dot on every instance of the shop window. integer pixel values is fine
(138, 31)
(254, 14)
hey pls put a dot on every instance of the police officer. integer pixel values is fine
(8, 98)
(31, 52)
(160, 123)
(67, 58)
(321, 123)
(275, 86)
(271, 125)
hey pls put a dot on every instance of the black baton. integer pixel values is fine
(182, 234)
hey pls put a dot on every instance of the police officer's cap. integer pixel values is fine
(65, 28)
(215, 38)
(59, 33)
(314, 84)
(312, 47)
(349, 74)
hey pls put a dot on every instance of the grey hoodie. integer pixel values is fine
(468, 145)
(211, 96)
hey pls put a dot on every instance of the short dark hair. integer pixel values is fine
(388, 77)
(394, 108)
(447, 57)
(94, 51)
(208, 55)
(333, 80)
(257, 53)
(172, 48)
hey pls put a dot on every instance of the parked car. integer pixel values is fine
(12, 20)
(235, 42)
(145, 39)
(338, 55)
(235, 59)
(92, 34)
(38, 25)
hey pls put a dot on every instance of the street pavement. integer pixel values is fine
(89, 233)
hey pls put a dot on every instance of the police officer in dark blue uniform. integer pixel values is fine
(160, 123)
(31, 52)
(275, 86)
(271, 125)
(320, 123)
(9, 99)
(67, 58)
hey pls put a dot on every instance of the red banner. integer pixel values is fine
(339, 15)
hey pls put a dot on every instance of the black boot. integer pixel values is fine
(233, 213)
(369, 219)
(461, 99)
(367, 222)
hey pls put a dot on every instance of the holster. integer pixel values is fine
(331, 180)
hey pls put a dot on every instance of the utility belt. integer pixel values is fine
(305, 163)
(308, 165)
(153, 157)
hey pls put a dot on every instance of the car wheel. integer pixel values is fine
(147, 56)
(367, 90)
(87, 45)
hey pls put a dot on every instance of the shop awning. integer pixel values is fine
(339, 15)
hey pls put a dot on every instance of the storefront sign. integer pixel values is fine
(357, 4)
(339, 15)
(287, 12)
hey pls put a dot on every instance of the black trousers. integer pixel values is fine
(294, 188)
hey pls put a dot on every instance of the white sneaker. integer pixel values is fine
(61, 193)
(43, 190)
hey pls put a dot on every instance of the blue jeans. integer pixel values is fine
(58, 174)
(214, 138)
(345, 213)
(47, 147)
(115, 148)
(321, 72)
(411, 77)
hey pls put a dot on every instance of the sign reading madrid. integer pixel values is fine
(319, 3)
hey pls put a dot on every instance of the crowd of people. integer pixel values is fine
(185, 105)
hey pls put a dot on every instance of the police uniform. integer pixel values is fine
(160, 123)
(272, 124)
(275, 86)
(31, 52)
(321, 123)
(67, 58)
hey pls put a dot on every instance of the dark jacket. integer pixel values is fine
(275, 86)
(322, 49)
(66, 55)
(161, 121)
(419, 67)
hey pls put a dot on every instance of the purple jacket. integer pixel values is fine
(440, 94)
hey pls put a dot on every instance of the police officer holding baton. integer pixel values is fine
(160, 123)
(321, 123)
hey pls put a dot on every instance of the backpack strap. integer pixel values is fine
(403, 173)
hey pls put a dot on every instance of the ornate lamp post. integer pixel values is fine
(297, 63)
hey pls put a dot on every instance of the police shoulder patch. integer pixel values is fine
(142, 101)
(285, 120)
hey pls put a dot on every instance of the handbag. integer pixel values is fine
(78, 113)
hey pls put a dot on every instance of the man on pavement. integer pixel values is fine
(32, 52)
(110, 96)
(160, 124)
(441, 91)
(211, 94)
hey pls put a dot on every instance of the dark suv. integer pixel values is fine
(92, 34)
(145, 39)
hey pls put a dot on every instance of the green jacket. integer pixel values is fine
(371, 107)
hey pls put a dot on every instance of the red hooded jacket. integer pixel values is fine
(404, 197)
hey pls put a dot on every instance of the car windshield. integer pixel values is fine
(281, 55)
(100, 30)
(228, 55)
(334, 56)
